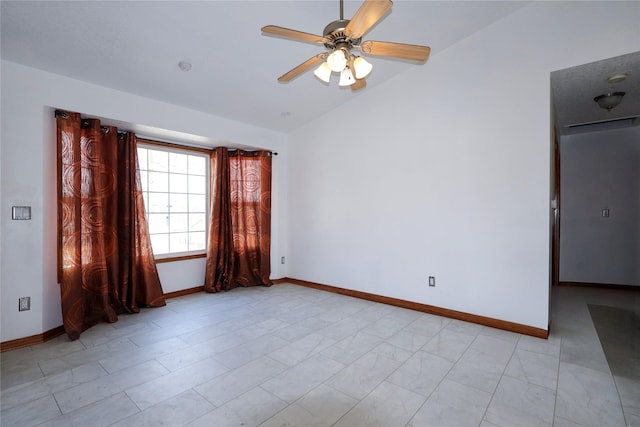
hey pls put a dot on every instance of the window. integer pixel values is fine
(246, 194)
(175, 186)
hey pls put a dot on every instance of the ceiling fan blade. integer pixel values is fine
(411, 52)
(309, 63)
(293, 34)
(366, 17)
(359, 84)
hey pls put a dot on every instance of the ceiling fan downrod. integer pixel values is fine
(335, 33)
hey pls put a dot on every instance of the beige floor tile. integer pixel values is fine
(535, 368)
(100, 414)
(176, 411)
(251, 408)
(421, 373)
(452, 405)
(388, 405)
(322, 406)
(519, 403)
(362, 376)
(290, 355)
(588, 397)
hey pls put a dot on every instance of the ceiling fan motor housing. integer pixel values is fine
(336, 36)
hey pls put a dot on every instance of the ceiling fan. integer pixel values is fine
(343, 35)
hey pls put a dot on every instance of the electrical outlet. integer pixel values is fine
(432, 281)
(282, 260)
(24, 304)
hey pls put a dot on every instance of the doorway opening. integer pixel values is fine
(595, 176)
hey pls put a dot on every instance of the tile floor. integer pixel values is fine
(294, 356)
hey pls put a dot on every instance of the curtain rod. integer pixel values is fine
(185, 146)
(65, 115)
(253, 151)
(233, 150)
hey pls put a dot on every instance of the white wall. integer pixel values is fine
(28, 155)
(445, 171)
(600, 171)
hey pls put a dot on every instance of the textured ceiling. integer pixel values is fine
(574, 89)
(135, 46)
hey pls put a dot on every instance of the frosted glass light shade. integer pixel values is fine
(337, 60)
(346, 78)
(610, 100)
(323, 72)
(361, 67)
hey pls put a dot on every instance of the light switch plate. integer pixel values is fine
(21, 213)
(24, 303)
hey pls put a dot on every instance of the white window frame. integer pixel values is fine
(145, 176)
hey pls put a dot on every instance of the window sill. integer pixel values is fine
(179, 258)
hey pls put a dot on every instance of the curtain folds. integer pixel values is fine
(106, 264)
(220, 255)
(139, 281)
(240, 230)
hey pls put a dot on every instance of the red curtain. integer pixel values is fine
(106, 265)
(239, 251)
(220, 253)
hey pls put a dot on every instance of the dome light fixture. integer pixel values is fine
(617, 78)
(609, 100)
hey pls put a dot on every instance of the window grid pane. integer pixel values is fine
(175, 191)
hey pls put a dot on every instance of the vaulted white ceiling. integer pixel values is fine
(135, 46)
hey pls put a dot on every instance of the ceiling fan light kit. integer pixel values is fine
(323, 72)
(346, 78)
(337, 61)
(362, 67)
(340, 37)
